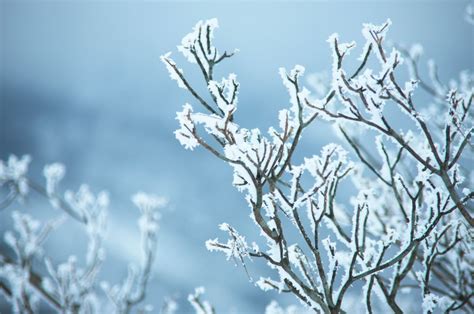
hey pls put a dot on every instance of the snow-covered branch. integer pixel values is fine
(413, 187)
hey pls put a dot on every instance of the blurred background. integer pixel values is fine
(81, 83)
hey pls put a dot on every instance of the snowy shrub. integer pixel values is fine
(70, 286)
(405, 149)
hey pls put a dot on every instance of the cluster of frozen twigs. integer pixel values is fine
(411, 225)
(71, 286)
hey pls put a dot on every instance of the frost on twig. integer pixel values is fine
(132, 291)
(200, 306)
(411, 184)
(235, 248)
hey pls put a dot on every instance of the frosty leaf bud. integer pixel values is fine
(54, 173)
(416, 51)
(14, 170)
(147, 202)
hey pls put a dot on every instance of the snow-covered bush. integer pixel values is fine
(73, 285)
(409, 160)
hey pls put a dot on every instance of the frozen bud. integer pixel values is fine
(17, 168)
(14, 170)
(53, 173)
(416, 51)
(147, 202)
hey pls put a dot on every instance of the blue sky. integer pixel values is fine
(81, 83)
